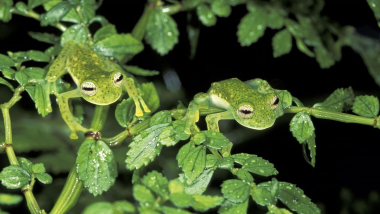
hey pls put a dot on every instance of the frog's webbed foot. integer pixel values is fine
(140, 104)
(71, 121)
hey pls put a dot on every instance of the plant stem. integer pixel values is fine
(139, 29)
(100, 117)
(36, 16)
(337, 116)
(70, 193)
(31, 200)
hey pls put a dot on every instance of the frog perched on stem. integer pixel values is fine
(251, 103)
(100, 81)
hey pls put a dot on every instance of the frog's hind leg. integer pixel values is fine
(68, 117)
(201, 100)
(58, 68)
(131, 89)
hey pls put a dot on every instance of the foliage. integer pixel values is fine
(97, 161)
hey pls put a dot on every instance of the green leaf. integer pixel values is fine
(199, 138)
(281, 43)
(21, 6)
(176, 186)
(42, 100)
(161, 117)
(173, 134)
(192, 160)
(303, 48)
(244, 175)
(104, 32)
(38, 168)
(375, 6)
(150, 96)
(252, 27)
(143, 194)
(8, 73)
(215, 140)
(294, 198)
(144, 147)
(35, 72)
(234, 190)
(14, 177)
(263, 197)
(205, 15)
(20, 57)
(324, 57)
(285, 101)
(221, 8)
(274, 19)
(21, 77)
(44, 178)
(26, 164)
(205, 202)
(255, 164)
(56, 13)
(77, 33)
(301, 126)
(4, 82)
(53, 50)
(38, 56)
(156, 182)
(200, 184)
(161, 32)
(226, 163)
(34, 3)
(45, 37)
(96, 167)
(337, 100)
(125, 111)
(228, 208)
(312, 147)
(366, 106)
(8, 199)
(124, 207)
(181, 200)
(5, 10)
(171, 210)
(99, 207)
(139, 71)
(118, 45)
(6, 61)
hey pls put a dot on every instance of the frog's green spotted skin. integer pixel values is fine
(251, 103)
(99, 80)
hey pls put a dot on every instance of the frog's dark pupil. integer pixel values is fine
(246, 111)
(120, 78)
(87, 89)
(276, 101)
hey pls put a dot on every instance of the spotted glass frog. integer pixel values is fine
(251, 103)
(100, 81)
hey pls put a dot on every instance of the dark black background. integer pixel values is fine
(347, 154)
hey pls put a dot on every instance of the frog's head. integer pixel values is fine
(102, 88)
(258, 112)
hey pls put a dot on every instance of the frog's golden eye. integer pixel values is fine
(88, 88)
(274, 102)
(245, 111)
(118, 79)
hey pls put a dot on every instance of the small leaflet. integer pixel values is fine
(56, 13)
(226, 163)
(143, 195)
(252, 27)
(104, 32)
(282, 43)
(181, 200)
(45, 37)
(301, 126)
(96, 166)
(144, 147)
(221, 8)
(161, 32)
(235, 190)
(140, 71)
(324, 57)
(228, 208)
(172, 210)
(214, 139)
(157, 183)
(205, 202)
(259, 166)
(200, 184)
(173, 134)
(42, 100)
(161, 117)
(8, 199)
(192, 160)
(14, 177)
(366, 106)
(338, 100)
(244, 175)
(125, 112)
(205, 15)
(77, 33)
(150, 96)
(4, 82)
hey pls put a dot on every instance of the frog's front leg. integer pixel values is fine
(68, 117)
(130, 87)
(201, 100)
(212, 121)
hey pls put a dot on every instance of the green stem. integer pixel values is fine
(140, 28)
(36, 16)
(100, 117)
(337, 116)
(70, 193)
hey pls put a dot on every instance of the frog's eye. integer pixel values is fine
(118, 79)
(245, 111)
(274, 102)
(88, 88)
